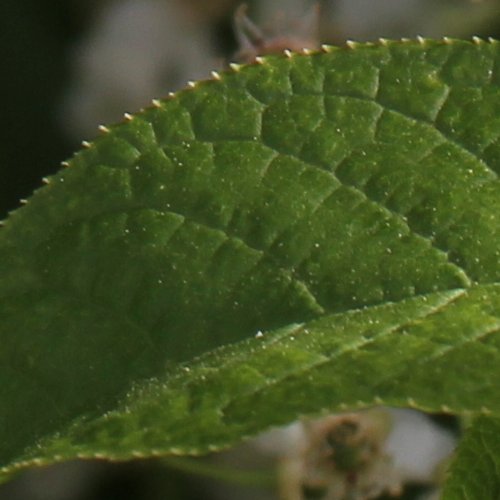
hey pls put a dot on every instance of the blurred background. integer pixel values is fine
(69, 65)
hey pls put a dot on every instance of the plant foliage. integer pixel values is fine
(342, 205)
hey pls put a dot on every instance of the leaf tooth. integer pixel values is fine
(215, 75)
(445, 409)
(306, 51)
(485, 411)
(406, 40)
(128, 117)
(447, 40)
(492, 40)
(45, 180)
(191, 84)
(65, 164)
(287, 53)
(22, 464)
(326, 48)
(351, 44)
(383, 41)
(23, 201)
(171, 95)
(235, 66)
(156, 103)
(476, 40)
(138, 454)
(260, 60)
(99, 455)
(103, 129)
(421, 40)
(86, 144)
(378, 400)
(411, 403)
(179, 451)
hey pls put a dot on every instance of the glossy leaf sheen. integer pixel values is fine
(344, 203)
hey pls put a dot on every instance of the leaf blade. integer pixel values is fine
(185, 229)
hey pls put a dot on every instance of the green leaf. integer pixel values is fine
(345, 204)
(474, 472)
